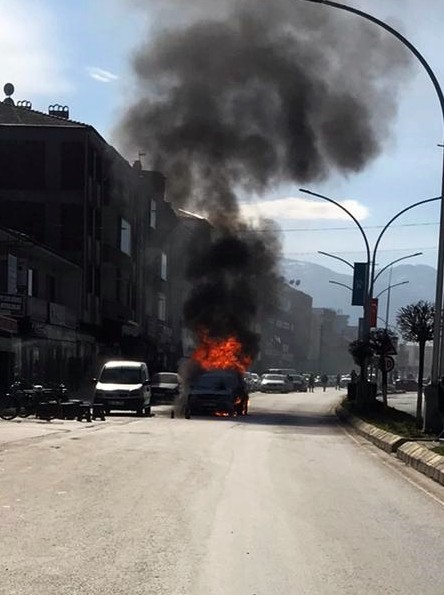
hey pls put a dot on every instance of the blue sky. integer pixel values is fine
(78, 53)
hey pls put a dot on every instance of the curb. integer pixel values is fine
(380, 438)
(411, 453)
(423, 460)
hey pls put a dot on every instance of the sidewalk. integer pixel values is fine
(23, 429)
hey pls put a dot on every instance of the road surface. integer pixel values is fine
(283, 502)
(404, 402)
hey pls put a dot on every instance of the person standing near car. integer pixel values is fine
(338, 381)
(324, 381)
(311, 383)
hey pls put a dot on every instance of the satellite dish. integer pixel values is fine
(8, 89)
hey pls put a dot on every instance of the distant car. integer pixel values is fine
(300, 385)
(124, 385)
(345, 380)
(164, 387)
(217, 391)
(276, 383)
(406, 384)
(253, 381)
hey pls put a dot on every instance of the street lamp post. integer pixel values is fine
(438, 334)
(390, 287)
(348, 263)
(371, 256)
(341, 285)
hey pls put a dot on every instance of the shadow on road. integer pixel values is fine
(296, 422)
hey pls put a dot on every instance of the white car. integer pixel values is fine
(275, 383)
(124, 385)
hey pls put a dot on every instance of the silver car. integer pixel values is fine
(276, 383)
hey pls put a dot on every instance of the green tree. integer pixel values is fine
(415, 323)
(381, 341)
(361, 352)
(376, 344)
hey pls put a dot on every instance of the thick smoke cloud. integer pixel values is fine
(238, 96)
(264, 93)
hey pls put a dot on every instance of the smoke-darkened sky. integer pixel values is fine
(77, 53)
(239, 96)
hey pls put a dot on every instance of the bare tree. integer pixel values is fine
(415, 323)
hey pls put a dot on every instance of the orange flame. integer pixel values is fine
(221, 354)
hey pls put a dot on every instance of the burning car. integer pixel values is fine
(220, 392)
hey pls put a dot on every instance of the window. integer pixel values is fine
(161, 307)
(118, 285)
(23, 164)
(50, 288)
(25, 216)
(32, 283)
(72, 165)
(97, 281)
(125, 236)
(153, 214)
(163, 267)
(72, 227)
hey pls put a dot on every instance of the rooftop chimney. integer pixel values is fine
(24, 103)
(60, 111)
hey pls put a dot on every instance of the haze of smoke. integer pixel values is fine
(273, 92)
(237, 96)
(233, 282)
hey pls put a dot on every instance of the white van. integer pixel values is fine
(124, 385)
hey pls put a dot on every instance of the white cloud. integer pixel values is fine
(30, 56)
(101, 75)
(302, 209)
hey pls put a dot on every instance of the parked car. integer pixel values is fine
(276, 383)
(406, 384)
(252, 381)
(125, 386)
(345, 380)
(284, 371)
(165, 387)
(300, 385)
(217, 391)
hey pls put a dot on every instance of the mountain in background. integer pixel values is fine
(314, 280)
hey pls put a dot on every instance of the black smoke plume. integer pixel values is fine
(237, 96)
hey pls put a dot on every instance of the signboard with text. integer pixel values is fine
(11, 304)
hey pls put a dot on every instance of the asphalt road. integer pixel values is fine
(404, 402)
(283, 502)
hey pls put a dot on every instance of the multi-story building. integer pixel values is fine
(285, 335)
(329, 342)
(65, 187)
(39, 295)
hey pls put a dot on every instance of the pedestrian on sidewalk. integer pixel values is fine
(324, 381)
(338, 382)
(311, 383)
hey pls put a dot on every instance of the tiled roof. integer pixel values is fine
(12, 115)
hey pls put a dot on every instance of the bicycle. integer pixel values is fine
(9, 406)
(43, 402)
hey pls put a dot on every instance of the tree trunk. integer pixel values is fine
(420, 380)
